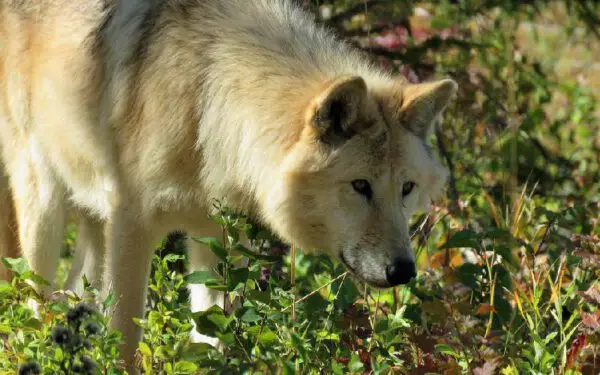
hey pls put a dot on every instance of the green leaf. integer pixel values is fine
(243, 250)
(59, 307)
(355, 364)
(200, 277)
(214, 245)
(238, 276)
(163, 352)
(503, 308)
(255, 296)
(5, 329)
(465, 238)
(212, 321)
(267, 337)
(145, 349)
(172, 258)
(33, 323)
(228, 339)
(59, 355)
(337, 368)
(5, 287)
(325, 335)
(498, 234)
(207, 240)
(250, 316)
(35, 278)
(185, 367)
(16, 265)
(550, 215)
(347, 294)
(221, 321)
(446, 349)
(538, 350)
(197, 349)
(503, 236)
(219, 287)
(550, 337)
(467, 274)
(109, 300)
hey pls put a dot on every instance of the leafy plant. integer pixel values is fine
(68, 335)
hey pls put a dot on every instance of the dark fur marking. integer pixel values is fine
(96, 40)
(148, 30)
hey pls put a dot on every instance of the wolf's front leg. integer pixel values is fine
(201, 297)
(202, 259)
(129, 255)
(40, 210)
(89, 254)
(9, 247)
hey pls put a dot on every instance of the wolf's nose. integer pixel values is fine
(400, 272)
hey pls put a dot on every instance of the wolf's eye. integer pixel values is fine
(407, 188)
(363, 187)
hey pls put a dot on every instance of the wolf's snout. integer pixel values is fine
(401, 272)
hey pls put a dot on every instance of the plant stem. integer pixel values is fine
(293, 282)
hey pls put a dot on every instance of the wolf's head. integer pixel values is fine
(359, 171)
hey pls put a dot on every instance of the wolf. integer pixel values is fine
(137, 113)
(8, 240)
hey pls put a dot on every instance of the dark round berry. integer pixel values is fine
(75, 342)
(78, 313)
(61, 335)
(30, 367)
(88, 364)
(92, 328)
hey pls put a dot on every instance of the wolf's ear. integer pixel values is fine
(423, 103)
(336, 112)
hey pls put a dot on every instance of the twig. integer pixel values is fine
(548, 227)
(488, 327)
(316, 291)
(452, 190)
(243, 349)
(359, 32)
(293, 282)
(415, 54)
(225, 273)
(351, 12)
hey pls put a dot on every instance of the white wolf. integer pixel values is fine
(137, 113)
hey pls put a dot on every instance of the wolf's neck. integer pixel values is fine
(268, 60)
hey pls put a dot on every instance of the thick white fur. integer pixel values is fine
(139, 123)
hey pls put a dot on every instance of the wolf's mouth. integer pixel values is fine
(358, 276)
(348, 266)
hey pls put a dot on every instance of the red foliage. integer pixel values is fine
(575, 349)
